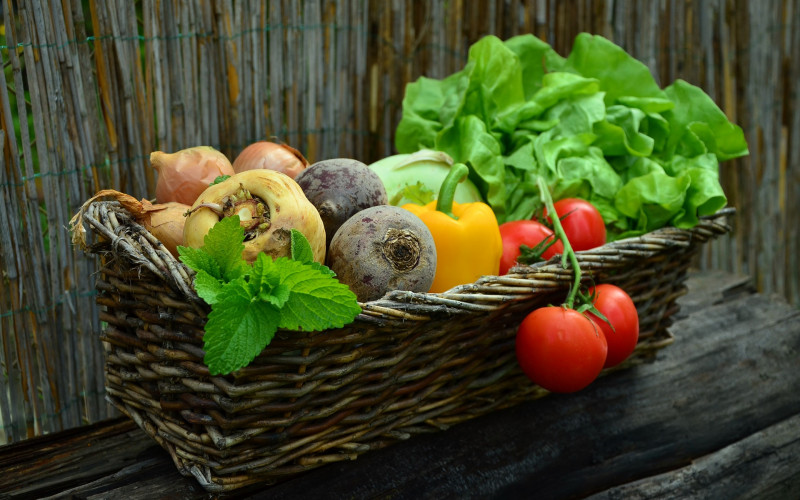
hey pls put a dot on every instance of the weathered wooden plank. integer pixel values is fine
(46, 465)
(144, 479)
(714, 288)
(764, 466)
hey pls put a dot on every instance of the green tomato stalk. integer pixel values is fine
(558, 229)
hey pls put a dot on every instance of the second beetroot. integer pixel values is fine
(339, 188)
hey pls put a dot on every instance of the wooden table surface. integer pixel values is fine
(717, 415)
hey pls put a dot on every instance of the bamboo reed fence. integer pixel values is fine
(92, 87)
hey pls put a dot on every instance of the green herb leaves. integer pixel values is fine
(221, 256)
(238, 328)
(250, 303)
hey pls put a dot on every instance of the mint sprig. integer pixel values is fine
(249, 303)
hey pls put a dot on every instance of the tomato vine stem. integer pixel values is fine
(569, 253)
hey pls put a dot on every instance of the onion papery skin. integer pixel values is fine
(165, 220)
(270, 156)
(167, 224)
(183, 175)
(288, 207)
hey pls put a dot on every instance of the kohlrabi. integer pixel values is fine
(417, 177)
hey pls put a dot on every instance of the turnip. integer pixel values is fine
(383, 248)
(339, 188)
(269, 205)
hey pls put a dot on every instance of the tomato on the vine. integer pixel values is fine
(529, 233)
(618, 307)
(583, 223)
(560, 349)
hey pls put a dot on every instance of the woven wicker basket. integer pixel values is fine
(410, 363)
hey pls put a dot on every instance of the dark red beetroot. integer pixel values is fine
(381, 249)
(339, 188)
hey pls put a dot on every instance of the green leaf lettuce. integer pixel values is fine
(594, 124)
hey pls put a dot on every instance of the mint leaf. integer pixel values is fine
(207, 286)
(221, 253)
(301, 248)
(265, 282)
(301, 251)
(262, 275)
(238, 329)
(277, 296)
(200, 260)
(315, 302)
(225, 243)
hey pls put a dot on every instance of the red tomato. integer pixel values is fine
(583, 224)
(619, 309)
(524, 232)
(560, 349)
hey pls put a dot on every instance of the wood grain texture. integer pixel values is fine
(715, 416)
(101, 85)
(769, 455)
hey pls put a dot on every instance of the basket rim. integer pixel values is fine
(127, 237)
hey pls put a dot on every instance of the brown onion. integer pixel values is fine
(165, 221)
(270, 156)
(183, 175)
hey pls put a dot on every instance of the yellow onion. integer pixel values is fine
(183, 175)
(270, 156)
(269, 205)
(165, 221)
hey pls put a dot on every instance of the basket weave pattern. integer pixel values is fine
(410, 363)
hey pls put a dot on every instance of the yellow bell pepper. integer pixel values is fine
(466, 235)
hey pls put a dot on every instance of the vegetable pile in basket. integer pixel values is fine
(278, 243)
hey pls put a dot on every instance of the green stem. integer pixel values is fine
(447, 192)
(544, 193)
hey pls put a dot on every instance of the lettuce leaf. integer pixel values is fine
(594, 125)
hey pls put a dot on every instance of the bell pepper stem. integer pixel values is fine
(558, 229)
(447, 192)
